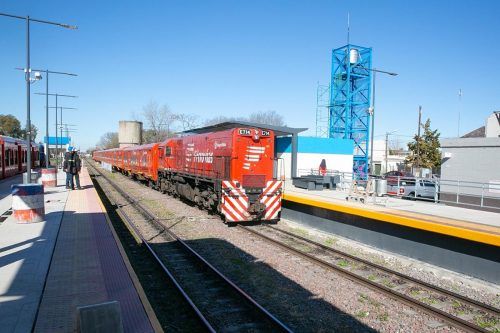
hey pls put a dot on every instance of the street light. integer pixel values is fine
(371, 110)
(29, 80)
(47, 72)
(57, 95)
(60, 126)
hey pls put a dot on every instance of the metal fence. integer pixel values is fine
(453, 192)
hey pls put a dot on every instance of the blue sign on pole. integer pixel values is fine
(60, 140)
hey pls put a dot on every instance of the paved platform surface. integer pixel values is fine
(25, 253)
(71, 259)
(456, 221)
(87, 268)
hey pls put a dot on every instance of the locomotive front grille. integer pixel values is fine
(254, 181)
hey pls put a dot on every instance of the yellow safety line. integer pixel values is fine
(474, 235)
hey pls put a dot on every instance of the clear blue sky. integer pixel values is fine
(235, 57)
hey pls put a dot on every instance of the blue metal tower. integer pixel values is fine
(350, 91)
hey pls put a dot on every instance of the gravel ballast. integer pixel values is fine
(303, 295)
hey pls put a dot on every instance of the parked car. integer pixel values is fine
(395, 177)
(414, 189)
(399, 174)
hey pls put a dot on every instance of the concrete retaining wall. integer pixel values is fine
(456, 254)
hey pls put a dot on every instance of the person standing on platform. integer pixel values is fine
(69, 167)
(78, 165)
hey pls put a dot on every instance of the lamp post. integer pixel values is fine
(47, 72)
(56, 95)
(29, 80)
(371, 110)
(60, 126)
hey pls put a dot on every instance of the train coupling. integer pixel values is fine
(256, 208)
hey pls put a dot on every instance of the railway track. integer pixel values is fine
(452, 308)
(218, 303)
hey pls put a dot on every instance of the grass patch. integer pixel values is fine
(415, 292)
(429, 300)
(383, 317)
(362, 298)
(486, 322)
(362, 314)
(372, 277)
(330, 241)
(388, 283)
(343, 263)
(301, 232)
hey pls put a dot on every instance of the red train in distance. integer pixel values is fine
(230, 171)
(13, 156)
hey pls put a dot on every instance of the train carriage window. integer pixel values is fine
(15, 157)
(7, 160)
(168, 151)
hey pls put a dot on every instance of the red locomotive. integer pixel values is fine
(229, 171)
(13, 156)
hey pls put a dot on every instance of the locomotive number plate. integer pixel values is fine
(245, 131)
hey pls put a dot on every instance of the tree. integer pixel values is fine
(10, 126)
(34, 132)
(159, 120)
(109, 140)
(187, 121)
(429, 155)
(261, 117)
(222, 119)
(270, 117)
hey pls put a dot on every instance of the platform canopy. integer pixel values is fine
(278, 131)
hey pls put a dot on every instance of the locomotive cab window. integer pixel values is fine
(168, 151)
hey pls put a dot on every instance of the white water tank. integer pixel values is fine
(353, 56)
(129, 133)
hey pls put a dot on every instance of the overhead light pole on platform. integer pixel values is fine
(29, 79)
(57, 126)
(371, 110)
(47, 72)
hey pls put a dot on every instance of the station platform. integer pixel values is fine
(71, 259)
(464, 223)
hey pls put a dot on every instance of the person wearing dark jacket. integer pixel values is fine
(69, 166)
(78, 164)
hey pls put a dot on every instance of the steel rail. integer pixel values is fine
(484, 307)
(452, 320)
(151, 217)
(130, 225)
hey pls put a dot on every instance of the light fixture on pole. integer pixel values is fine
(371, 110)
(47, 72)
(60, 125)
(29, 80)
(57, 96)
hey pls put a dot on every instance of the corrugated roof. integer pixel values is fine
(278, 130)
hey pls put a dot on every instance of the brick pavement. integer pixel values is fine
(87, 268)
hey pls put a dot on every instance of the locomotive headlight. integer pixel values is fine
(256, 135)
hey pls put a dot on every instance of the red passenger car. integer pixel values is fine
(230, 171)
(13, 156)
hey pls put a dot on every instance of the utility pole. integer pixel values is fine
(459, 109)
(28, 19)
(418, 136)
(386, 150)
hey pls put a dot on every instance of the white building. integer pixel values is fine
(395, 159)
(492, 129)
(338, 154)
